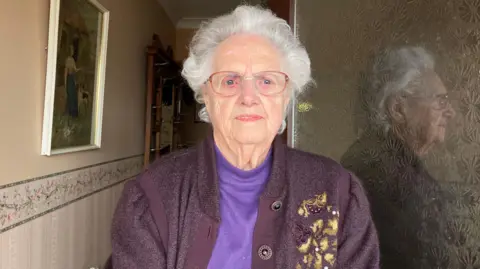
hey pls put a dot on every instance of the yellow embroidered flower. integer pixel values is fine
(313, 205)
(319, 242)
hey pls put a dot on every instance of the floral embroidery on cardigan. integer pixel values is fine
(313, 206)
(317, 243)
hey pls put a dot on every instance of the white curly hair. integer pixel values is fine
(246, 19)
(395, 72)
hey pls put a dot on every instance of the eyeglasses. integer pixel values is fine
(439, 101)
(228, 83)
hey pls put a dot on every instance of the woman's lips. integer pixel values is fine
(248, 117)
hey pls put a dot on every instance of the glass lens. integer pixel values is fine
(266, 83)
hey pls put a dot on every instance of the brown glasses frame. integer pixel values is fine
(287, 79)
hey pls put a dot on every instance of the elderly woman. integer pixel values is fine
(408, 113)
(242, 199)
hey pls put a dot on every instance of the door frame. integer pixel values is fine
(287, 9)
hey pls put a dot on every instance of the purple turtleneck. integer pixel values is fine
(239, 193)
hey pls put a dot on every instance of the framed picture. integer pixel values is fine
(75, 80)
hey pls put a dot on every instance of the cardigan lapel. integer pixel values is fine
(269, 220)
(277, 179)
(208, 190)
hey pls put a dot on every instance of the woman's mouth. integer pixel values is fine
(248, 117)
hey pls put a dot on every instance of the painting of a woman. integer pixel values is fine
(71, 85)
(75, 81)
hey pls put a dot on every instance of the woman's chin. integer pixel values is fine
(249, 134)
(440, 136)
(249, 137)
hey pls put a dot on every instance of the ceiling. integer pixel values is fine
(199, 9)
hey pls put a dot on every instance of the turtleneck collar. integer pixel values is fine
(223, 166)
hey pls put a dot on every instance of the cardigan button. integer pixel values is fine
(277, 205)
(265, 252)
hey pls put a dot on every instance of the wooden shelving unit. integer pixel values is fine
(163, 78)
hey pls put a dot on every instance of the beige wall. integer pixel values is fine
(182, 39)
(75, 237)
(24, 33)
(67, 223)
(190, 131)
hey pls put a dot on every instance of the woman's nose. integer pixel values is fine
(450, 111)
(248, 93)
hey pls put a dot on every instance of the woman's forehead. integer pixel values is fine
(242, 52)
(433, 84)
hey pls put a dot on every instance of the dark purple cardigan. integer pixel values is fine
(312, 214)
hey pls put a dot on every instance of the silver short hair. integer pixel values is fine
(246, 19)
(395, 72)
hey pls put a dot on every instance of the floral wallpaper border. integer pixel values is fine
(27, 200)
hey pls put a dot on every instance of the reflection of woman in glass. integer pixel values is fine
(70, 84)
(408, 112)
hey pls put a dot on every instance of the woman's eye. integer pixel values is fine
(231, 81)
(266, 81)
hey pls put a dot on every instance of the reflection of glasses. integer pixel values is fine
(229, 83)
(440, 101)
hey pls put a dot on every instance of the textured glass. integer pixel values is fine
(397, 101)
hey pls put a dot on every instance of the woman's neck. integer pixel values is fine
(245, 157)
(420, 148)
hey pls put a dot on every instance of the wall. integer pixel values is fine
(190, 132)
(73, 236)
(22, 80)
(23, 42)
(342, 37)
(183, 36)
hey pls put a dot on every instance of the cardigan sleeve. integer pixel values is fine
(358, 243)
(136, 242)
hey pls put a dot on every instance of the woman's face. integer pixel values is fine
(429, 110)
(247, 114)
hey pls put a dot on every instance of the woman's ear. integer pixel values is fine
(204, 92)
(396, 108)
